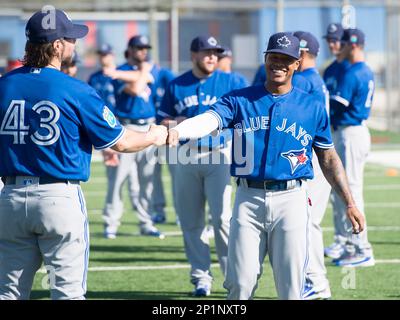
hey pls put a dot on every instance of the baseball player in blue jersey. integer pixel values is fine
(350, 108)
(277, 126)
(198, 179)
(134, 89)
(317, 284)
(332, 77)
(49, 123)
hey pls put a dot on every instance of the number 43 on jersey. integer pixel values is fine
(14, 123)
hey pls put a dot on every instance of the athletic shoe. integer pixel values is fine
(335, 250)
(355, 260)
(158, 218)
(110, 232)
(202, 289)
(152, 233)
(312, 293)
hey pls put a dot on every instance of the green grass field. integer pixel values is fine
(135, 255)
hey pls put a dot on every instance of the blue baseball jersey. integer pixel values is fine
(333, 74)
(162, 77)
(49, 123)
(133, 107)
(316, 84)
(273, 134)
(241, 79)
(189, 96)
(104, 87)
(351, 103)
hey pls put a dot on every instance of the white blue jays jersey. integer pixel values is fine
(49, 123)
(104, 87)
(274, 134)
(133, 107)
(352, 101)
(189, 96)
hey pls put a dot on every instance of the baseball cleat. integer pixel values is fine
(355, 260)
(152, 233)
(109, 235)
(202, 290)
(312, 293)
(335, 250)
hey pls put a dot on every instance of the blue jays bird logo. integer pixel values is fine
(296, 158)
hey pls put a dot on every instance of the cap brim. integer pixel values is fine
(282, 52)
(219, 50)
(77, 32)
(331, 38)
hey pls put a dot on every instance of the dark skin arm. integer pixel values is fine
(334, 172)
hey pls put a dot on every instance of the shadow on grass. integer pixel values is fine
(134, 259)
(136, 249)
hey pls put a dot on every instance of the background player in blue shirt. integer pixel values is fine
(350, 108)
(317, 285)
(277, 126)
(134, 91)
(49, 124)
(198, 179)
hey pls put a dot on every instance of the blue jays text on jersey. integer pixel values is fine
(51, 132)
(281, 130)
(352, 100)
(189, 96)
(104, 87)
(134, 107)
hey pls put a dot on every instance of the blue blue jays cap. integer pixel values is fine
(334, 32)
(104, 49)
(285, 43)
(202, 43)
(139, 41)
(49, 25)
(308, 42)
(355, 36)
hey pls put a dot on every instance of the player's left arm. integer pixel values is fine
(334, 172)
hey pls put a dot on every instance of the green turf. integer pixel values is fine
(382, 198)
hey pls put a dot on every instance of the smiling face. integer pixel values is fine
(205, 61)
(280, 68)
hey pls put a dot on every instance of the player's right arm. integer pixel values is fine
(133, 141)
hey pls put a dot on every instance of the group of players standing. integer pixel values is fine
(282, 117)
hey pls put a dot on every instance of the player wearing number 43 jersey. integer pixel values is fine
(49, 123)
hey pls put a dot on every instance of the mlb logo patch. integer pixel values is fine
(35, 70)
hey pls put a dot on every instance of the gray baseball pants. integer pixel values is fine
(276, 223)
(353, 144)
(194, 185)
(43, 223)
(144, 162)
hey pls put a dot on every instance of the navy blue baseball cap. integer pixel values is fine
(47, 26)
(139, 41)
(202, 43)
(334, 32)
(104, 49)
(285, 43)
(355, 36)
(308, 42)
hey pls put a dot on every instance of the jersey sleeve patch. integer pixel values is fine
(109, 117)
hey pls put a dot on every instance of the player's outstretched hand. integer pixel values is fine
(158, 134)
(173, 138)
(356, 218)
